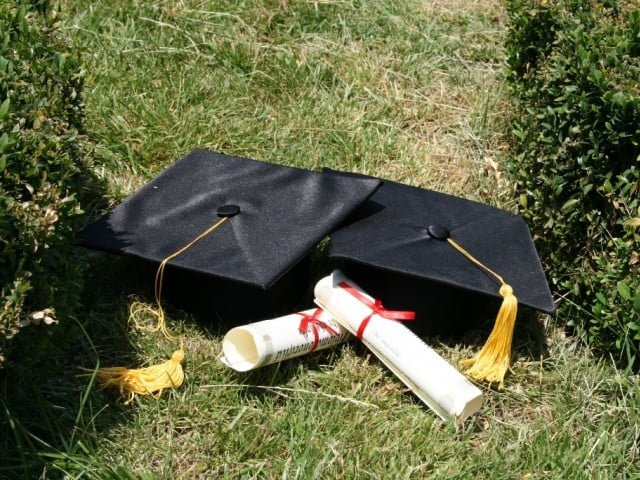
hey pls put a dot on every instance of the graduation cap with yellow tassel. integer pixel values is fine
(453, 261)
(231, 229)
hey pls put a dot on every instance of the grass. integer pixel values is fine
(407, 90)
(371, 87)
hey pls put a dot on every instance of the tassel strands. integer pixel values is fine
(492, 362)
(152, 380)
(144, 381)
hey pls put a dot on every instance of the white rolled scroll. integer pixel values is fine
(269, 341)
(434, 381)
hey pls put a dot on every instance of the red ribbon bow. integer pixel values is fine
(314, 322)
(377, 308)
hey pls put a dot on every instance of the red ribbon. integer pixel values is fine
(377, 308)
(314, 322)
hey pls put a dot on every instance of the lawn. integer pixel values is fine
(406, 90)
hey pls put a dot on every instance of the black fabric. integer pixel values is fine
(284, 213)
(440, 309)
(387, 248)
(212, 298)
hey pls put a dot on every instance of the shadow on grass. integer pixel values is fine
(50, 411)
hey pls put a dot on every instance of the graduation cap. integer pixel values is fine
(226, 234)
(449, 259)
(251, 264)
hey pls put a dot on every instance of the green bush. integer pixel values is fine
(41, 165)
(574, 70)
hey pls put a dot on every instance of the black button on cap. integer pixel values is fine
(438, 232)
(228, 210)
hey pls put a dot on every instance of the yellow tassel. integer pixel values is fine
(492, 362)
(151, 380)
(144, 381)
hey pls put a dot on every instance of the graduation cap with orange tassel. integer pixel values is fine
(453, 261)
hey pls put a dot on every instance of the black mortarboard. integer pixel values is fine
(399, 246)
(249, 265)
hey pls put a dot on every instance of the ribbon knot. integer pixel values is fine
(314, 322)
(376, 309)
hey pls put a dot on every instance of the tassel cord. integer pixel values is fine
(492, 362)
(154, 379)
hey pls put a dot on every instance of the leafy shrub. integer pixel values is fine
(41, 165)
(574, 67)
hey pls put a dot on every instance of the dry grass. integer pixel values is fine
(422, 105)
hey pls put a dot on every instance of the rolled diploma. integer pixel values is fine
(438, 384)
(269, 341)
